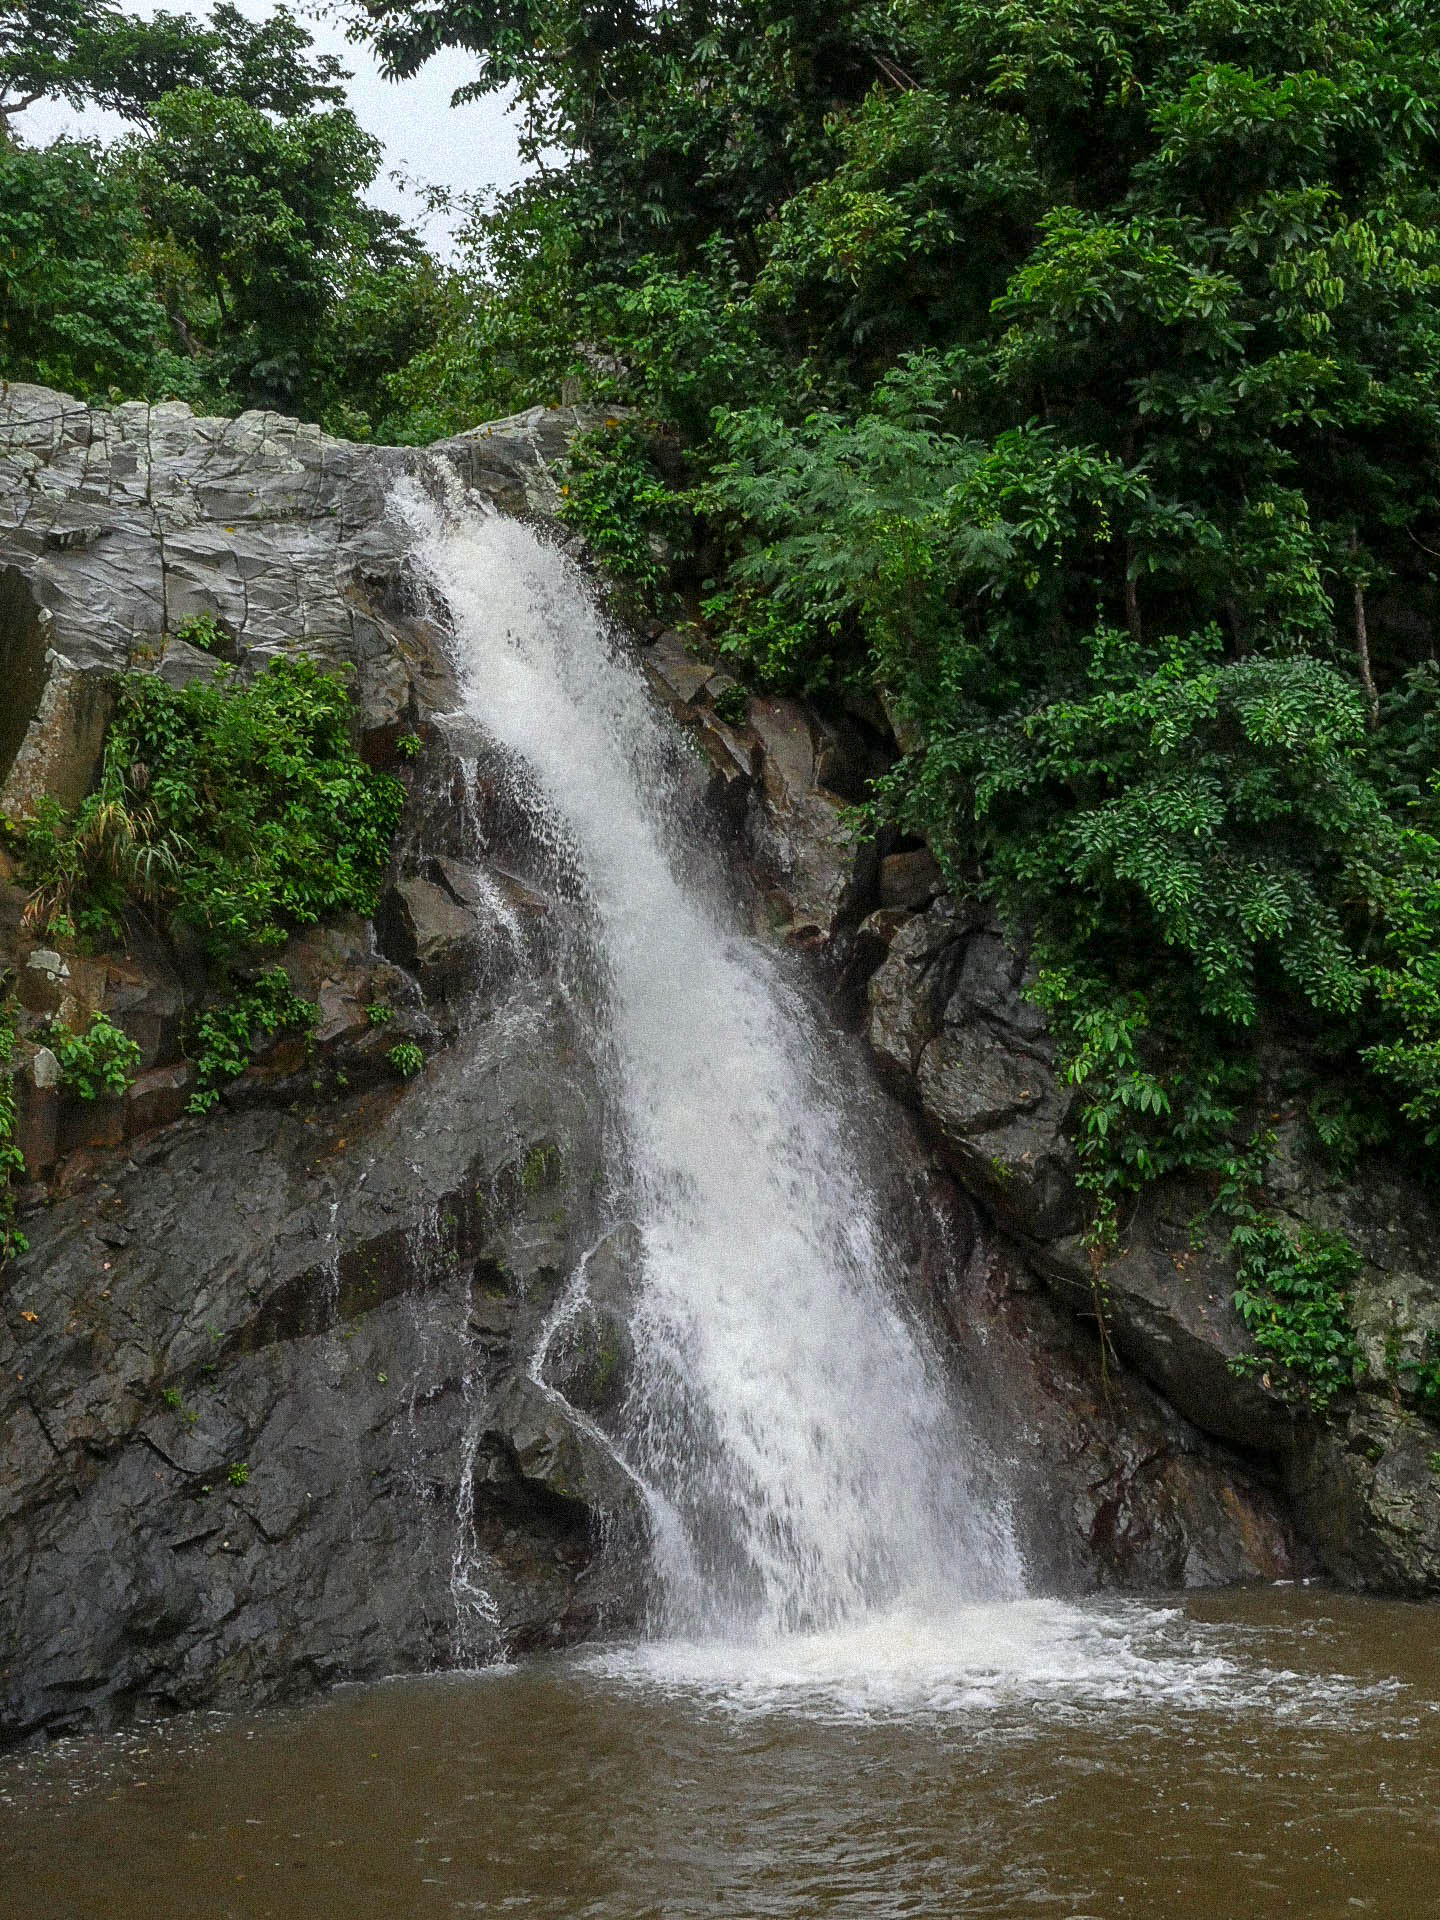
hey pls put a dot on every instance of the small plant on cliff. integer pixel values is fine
(406, 1058)
(408, 745)
(732, 705)
(379, 1013)
(225, 1036)
(98, 1061)
(1424, 1373)
(1293, 1296)
(201, 630)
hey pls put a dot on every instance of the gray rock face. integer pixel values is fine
(116, 527)
(947, 1019)
(952, 1032)
(265, 1413)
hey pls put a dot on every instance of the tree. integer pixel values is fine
(224, 252)
(88, 50)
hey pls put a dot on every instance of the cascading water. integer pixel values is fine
(804, 1461)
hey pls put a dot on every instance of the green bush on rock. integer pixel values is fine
(225, 1036)
(233, 812)
(98, 1061)
(239, 810)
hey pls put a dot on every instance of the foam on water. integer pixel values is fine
(1049, 1658)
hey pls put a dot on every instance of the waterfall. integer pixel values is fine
(804, 1459)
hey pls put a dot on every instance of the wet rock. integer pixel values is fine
(801, 837)
(949, 1022)
(157, 1098)
(513, 460)
(143, 995)
(591, 1354)
(1366, 1486)
(92, 1123)
(909, 880)
(1167, 1294)
(238, 1379)
(676, 674)
(551, 1452)
(421, 926)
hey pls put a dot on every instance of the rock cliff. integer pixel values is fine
(267, 1411)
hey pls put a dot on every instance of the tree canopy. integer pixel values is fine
(225, 251)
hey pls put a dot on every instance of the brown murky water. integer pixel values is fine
(1224, 1756)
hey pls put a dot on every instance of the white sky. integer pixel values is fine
(468, 148)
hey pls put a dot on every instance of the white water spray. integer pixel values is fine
(804, 1460)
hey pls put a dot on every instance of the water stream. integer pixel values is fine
(805, 1463)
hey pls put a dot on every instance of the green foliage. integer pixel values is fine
(732, 705)
(77, 309)
(238, 1474)
(101, 1060)
(615, 497)
(406, 1058)
(240, 810)
(225, 251)
(379, 1014)
(201, 630)
(226, 1036)
(1292, 1297)
(1424, 1373)
(408, 745)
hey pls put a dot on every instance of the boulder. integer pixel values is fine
(158, 1097)
(553, 1454)
(59, 755)
(423, 928)
(910, 879)
(950, 1024)
(801, 836)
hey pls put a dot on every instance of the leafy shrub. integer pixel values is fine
(99, 1061)
(732, 705)
(616, 498)
(224, 1037)
(1292, 1298)
(201, 630)
(243, 811)
(406, 1058)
